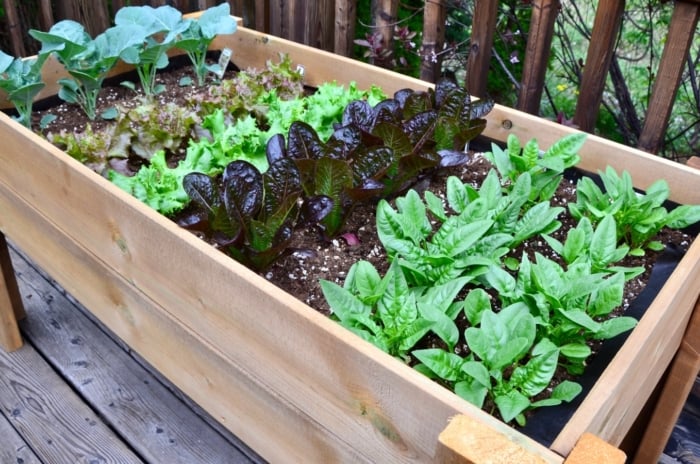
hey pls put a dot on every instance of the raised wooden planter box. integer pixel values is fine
(292, 384)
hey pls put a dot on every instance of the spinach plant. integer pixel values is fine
(195, 40)
(482, 374)
(565, 303)
(158, 30)
(86, 60)
(389, 312)
(480, 228)
(253, 215)
(639, 216)
(598, 246)
(545, 168)
(21, 80)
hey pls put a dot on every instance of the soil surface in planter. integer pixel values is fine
(312, 258)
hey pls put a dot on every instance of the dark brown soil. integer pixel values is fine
(312, 257)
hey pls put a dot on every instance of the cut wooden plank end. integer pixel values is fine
(467, 441)
(694, 162)
(590, 448)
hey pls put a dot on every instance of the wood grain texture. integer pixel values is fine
(466, 441)
(673, 60)
(433, 39)
(345, 19)
(539, 44)
(591, 449)
(11, 309)
(130, 399)
(483, 29)
(606, 27)
(53, 421)
(13, 448)
(235, 398)
(14, 27)
(677, 385)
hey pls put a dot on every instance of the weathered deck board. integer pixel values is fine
(50, 417)
(129, 398)
(14, 448)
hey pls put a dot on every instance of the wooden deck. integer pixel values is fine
(76, 394)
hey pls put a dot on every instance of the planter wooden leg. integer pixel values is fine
(679, 382)
(11, 308)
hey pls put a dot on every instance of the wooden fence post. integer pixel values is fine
(680, 36)
(606, 26)
(15, 28)
(433, 39)
(345, 19)
(539, 44)
(384, 16)
(483, 28)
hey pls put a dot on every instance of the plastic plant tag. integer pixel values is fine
(224, 59)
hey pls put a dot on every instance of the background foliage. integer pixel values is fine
(637, 54)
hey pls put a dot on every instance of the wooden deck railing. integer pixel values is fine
(330, 25)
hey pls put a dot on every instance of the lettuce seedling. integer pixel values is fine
(390, 313)
(87, 61)
(342, 169)
(639, 216)
(253, 215)
(195, 40)
(159, 30)
(423, 130)
(21, 80)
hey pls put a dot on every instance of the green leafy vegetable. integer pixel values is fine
(87, 61)
(21, 80)
(391, 314)
(159, 30)
(545, 168)
(639, 216)
(197, 38)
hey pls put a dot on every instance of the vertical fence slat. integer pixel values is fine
(483, 28)
(345, 18)
(433, 39)
(15, 28)
(680, 36)
(46, 14)
(384, 15)
(606, 27)
(539, 45)
(262, 15)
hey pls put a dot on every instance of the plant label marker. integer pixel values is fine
(224, 59)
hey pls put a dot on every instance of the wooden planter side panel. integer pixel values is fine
(253, 413)
(346, 391)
